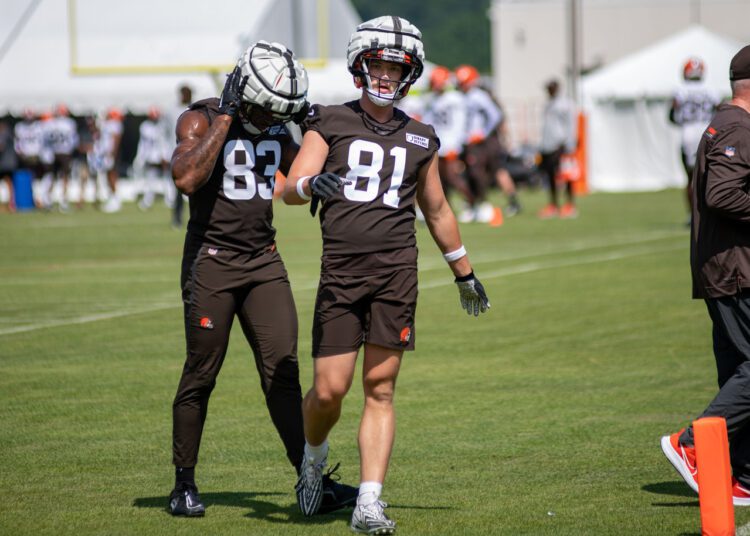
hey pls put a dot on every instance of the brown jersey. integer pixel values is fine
(381, 162)
(233, 209)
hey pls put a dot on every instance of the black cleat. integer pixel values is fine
(336, 496)
(184, 501)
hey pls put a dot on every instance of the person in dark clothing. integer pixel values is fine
(228, 151)
(720, 264)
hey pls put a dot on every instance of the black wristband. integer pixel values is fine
(465, 278)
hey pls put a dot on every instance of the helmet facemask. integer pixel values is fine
(410, 71)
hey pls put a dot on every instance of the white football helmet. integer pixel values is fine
(391, 39)
(276, 83)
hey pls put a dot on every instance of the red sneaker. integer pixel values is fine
(740, 494)
(682, 458)
(569, 211)
(549, 212)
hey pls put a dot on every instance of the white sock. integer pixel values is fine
(369, 492)
(317, 454)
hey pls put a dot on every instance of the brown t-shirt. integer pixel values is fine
(234, 208)
(720, 235)
(375, 212)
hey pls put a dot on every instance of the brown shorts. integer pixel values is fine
(366, 298)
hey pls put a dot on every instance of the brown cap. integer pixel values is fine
(739, 68)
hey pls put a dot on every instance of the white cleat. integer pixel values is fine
(309, 487)
(371, 519)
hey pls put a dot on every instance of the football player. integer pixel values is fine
(692, 108)
(366, 161)
(151, 156)
(446, 113)
(228, 151)
(107, 147)
(484, 155)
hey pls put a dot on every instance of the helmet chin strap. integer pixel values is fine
(381, 99)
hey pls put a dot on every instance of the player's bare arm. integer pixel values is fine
(439, 217)
(198, 147)
(444, 230)
(288, 154)
(308, 164)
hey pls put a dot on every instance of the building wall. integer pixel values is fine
(531, 43)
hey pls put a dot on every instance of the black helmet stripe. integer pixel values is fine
(292, 72)
(397, 29)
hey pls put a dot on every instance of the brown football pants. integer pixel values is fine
(218, 284)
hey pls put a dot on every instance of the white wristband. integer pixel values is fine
(455, 255)
(300, 189)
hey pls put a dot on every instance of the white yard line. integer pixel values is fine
(446, 281)
(744, 530)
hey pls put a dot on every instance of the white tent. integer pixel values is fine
(631, 144)
(93, 54)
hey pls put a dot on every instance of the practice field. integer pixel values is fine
(541, 417)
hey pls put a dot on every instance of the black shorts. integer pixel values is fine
(368, 298)
(62, 164)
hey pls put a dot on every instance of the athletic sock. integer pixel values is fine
(369, 492)
(316, 454)
(184, 475)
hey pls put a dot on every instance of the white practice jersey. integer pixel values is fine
(153, 147)
(28, 139)
(63, 135)
(47, 152)
(559, 125)
(446, 112)
(102, 157)
(693, 108)
(482, 114)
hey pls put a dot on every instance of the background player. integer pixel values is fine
(484, 156)
(368, 161)
(226, 158)
(151, 156)
(693, 106)
(446, 112)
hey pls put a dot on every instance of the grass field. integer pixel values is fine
(541, 417)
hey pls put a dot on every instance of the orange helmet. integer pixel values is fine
(693, 69)
(61, 110)
(115, 113)
(466, 76)
(45, 115)
(439, 78)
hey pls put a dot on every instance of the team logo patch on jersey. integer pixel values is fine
(405, 335)
(710, 132)
(729, 151)
(417, 140)
(207, 323)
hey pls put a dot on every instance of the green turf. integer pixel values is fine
(542, 417)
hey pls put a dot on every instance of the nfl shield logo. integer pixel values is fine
(729, 150)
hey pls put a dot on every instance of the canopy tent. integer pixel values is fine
(91, 55)
(632, 146)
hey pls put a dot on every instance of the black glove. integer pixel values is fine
(473, 297)
(231, 95)
(325, 185)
